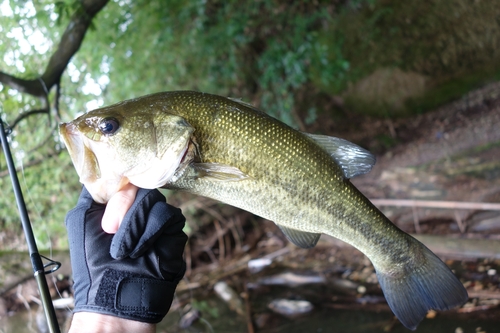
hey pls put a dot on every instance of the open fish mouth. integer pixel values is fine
(74, 143)
(87, 165)
(84, 160)
(104, 170)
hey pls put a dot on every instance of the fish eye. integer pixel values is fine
(109, 126)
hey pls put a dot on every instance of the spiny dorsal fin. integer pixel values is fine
(248, 105)
(353, 159)
(220, 172)
(237, 100)
(302, 239)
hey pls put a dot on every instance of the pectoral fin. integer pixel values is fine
(220, 172)
(353, 159)
(302, 239)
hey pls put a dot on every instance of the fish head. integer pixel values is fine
(113, 146)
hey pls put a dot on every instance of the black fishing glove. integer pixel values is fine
(132, 274)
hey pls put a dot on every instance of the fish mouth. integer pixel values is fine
(74, 143)
(86, 164)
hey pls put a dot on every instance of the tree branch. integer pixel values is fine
(32, 87)
(56, 101)
(69, 44)
(25, 115)
(71, 40)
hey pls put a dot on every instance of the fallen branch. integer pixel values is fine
(436, 204)
(461, 248)
(476, 308)
(445, 246)
(484, 294)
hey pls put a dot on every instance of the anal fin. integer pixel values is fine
(302, 239)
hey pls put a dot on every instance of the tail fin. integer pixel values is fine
(431, 285)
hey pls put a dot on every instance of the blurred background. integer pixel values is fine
(415, 82)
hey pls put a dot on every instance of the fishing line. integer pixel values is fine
(20, 159)
(50, 263)
(39, 269)
(37, 211)
(33, 204)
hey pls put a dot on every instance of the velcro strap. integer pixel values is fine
(134, 296)
(145, 295)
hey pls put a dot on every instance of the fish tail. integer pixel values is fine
(429, 284)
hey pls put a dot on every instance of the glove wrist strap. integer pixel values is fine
(134, 296)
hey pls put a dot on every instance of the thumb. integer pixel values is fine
(117, 207)
(141, 225)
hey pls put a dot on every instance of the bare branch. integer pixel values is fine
(27, 114)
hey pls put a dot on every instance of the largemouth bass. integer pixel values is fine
(229, 151)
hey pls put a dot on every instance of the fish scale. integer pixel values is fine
(250, 160)
(286, 182)
(283, 187)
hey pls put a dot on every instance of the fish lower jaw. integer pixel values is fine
(102, 190)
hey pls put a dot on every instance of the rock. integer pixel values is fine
(257, 265)
(228, 295)
(189, 318)
(291, 279)
(291, 308)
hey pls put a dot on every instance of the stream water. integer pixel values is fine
(320, 320)
(217, 317)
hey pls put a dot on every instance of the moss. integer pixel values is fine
(434, 38)
(383, 143)
(384, 92)
(453, 88)
(453, 44)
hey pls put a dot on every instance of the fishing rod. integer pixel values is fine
(36, 259)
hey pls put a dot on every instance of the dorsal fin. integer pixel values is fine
(353, 159)
(302, 239)
(248, 105)
(237, 100)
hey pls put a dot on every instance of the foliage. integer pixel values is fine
(271, 53)
(261, 51)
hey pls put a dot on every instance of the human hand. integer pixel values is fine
(132, 274)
